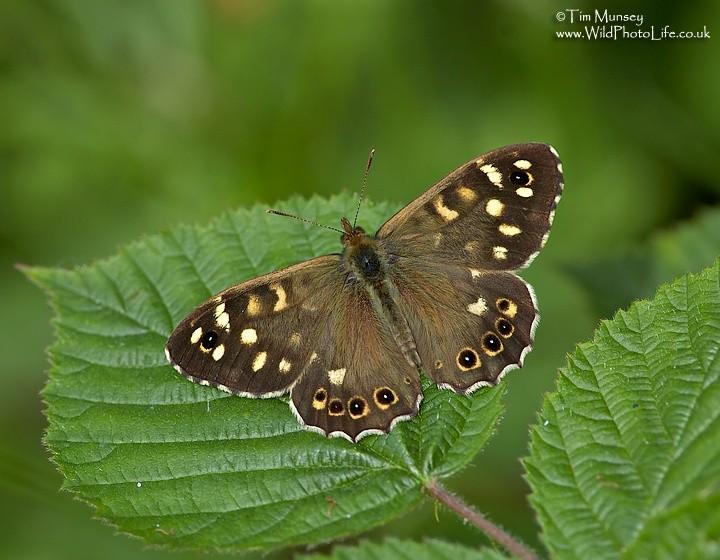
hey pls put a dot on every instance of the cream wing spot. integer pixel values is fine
(509, 230)
(195, 336)
(525, 192)
(445, 213)
(219, 310)
(337, 376)
(284, 366)
(281, 297)
(474, 273)
(437, 238)
(223, 321)
(559, 167)
(492, 174)
(218, 352)
(522, 164)
(254, 306)
(259, 361)
(554, 152)
(466, 194)
(478, 308)
(500, 253)
(248, 336)
(295, 339)
(494, 207)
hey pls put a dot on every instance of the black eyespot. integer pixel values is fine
(503, 304)
(320, 395)
(519, 178)
(467, 358)
(492, 343)
(356, 406)
(336, 407)
(385, 396)
(209, 340)
(504, 327)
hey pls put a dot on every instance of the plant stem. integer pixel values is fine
(492, 531)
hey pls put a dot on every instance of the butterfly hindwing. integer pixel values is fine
(470, 335)
(358, 383)
(493, 213)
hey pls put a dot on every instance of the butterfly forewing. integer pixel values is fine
(493, 213)
(256, 338)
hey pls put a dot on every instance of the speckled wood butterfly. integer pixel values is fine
(346, 335)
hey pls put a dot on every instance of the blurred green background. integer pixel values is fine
(121, 118)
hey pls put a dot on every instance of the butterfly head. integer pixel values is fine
(352, 235)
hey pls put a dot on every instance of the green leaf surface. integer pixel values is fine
(625, 460)
(189, 466)
(396, 549)
(617, 280)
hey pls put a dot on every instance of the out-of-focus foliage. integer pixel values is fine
(614, 281)
(122, 118)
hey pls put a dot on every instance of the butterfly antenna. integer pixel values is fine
(293, 216)
(364, 185)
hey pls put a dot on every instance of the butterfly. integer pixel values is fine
(347, 335)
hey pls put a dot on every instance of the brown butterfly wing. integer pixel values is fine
(256, 338)
(470, 327)
(453, 251)
(359, 383)
(493, 213)
(303, 330)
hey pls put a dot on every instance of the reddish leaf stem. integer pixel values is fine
(492, 531)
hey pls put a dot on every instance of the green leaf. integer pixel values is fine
(625, 461)
(188, 466)
(617, 280)
(396, 549)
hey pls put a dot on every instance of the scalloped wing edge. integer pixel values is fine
(364, 433)
(293, 409)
